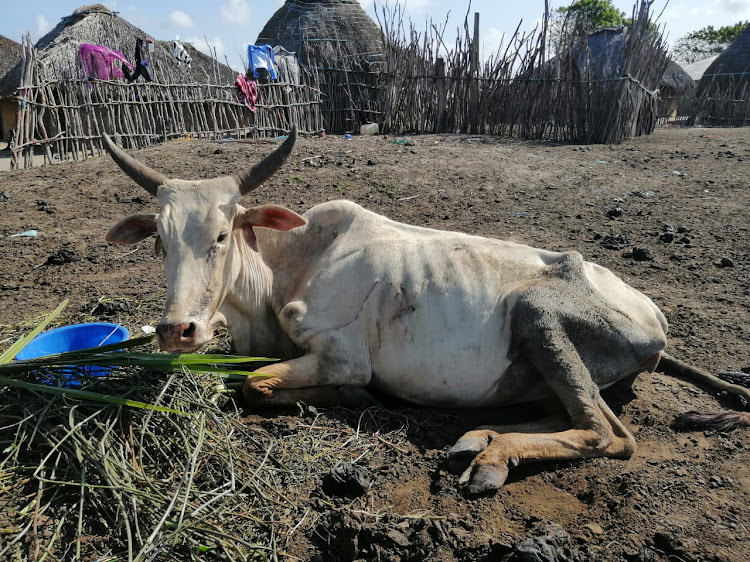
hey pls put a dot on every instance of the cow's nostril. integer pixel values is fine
(189, 332)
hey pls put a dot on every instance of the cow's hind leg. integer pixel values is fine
(599, 433)
(544, 334)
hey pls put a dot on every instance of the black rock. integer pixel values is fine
(346, 480)
(552, 546)
(642, 254)
(726, 262)
(218, 151)
(614, 213)
(63, 256)
(615, 242)
(667, 237)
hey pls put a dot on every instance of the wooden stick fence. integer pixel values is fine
(66, 118)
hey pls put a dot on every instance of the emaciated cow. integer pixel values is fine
(350, 299)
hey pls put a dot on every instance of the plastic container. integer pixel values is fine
(73, 338)
(369, 129)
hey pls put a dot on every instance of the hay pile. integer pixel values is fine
(90, 482)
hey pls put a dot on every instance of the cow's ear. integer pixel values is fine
(267, 216)
(132, 229)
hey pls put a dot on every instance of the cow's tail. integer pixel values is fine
(720, 421)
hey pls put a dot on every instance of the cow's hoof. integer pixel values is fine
(466, 448)
(483, 479)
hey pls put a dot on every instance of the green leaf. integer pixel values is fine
(87, 395)
(16, 348)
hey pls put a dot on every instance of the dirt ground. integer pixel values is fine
(668, 213)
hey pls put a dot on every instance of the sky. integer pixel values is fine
(230, 25)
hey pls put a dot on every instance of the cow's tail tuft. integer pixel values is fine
(718, 421)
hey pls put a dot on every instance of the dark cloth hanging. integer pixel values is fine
(141, 65)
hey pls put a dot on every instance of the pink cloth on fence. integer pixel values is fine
(101, 62)
(248, 91)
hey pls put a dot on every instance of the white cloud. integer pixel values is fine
(737, 7)
(181, 19)
(367, 4)
(42, 25)
(200, 44)
(235, 12)
(491, 42)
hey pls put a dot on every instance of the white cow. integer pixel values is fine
(349, 299)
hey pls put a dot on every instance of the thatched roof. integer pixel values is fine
(730, 72)
(10, 54)
(96, 24)
(326, 32)
(697, 69)
(675, 81)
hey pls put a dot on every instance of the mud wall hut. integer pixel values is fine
(10, 54)
(67, 105)
(723, 94)
(340, 44)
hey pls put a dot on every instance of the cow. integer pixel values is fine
(349, 299)
(180, 53)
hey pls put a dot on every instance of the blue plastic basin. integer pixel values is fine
(73, 338)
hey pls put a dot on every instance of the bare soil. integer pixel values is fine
(668, 213)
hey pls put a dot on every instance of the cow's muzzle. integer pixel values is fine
(178, 336)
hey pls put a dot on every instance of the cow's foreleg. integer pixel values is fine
(323, 396)
(309, 372)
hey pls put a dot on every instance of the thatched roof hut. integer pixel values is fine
(675, 82)
(676, 89)
(723, 95)
(10, 54)
(325, 32)
(98, 25)
(342, 46)
(730, 71)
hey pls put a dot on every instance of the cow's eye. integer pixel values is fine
(221, 238)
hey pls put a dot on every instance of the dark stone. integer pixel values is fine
(218, 151)
(615, 242)
(63, 256)
(667, 237)
(642, 254)
(4, 196)
(726, 262)
(45, 207)
(346, 480)
(552, 546)
(614, 213)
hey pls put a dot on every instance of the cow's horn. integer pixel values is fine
(141, 174)
(251, 178)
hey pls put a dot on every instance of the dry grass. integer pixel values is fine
(90, 482)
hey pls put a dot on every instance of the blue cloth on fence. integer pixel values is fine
(261, 56)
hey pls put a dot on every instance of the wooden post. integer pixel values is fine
(442, 96)
(474, 80)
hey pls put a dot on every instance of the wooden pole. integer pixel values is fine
(442, 96)
(474, 75)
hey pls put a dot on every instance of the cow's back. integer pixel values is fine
(428, 310)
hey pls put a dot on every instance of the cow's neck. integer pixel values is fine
(248, 310)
